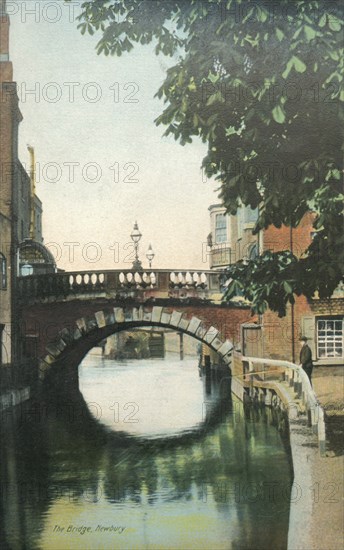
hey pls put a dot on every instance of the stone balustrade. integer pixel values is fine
(160, 282)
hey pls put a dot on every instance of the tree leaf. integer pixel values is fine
(215, 98)
(309, 32)
(287, 287)
(299, 65)
(278, 114)
(334, 23)
(236, 118)
(288, 68)
(280, 34)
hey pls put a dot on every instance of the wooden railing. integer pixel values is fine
(165, 282)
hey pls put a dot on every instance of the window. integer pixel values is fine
(246, 219)
(26, 270)
(3, 272)
(220, 228)
(330, 337)
(249, 215)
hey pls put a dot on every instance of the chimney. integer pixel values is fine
(6, 69)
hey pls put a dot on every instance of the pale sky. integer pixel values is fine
(102, 162)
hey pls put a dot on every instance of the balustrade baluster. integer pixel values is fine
(102, 281)
(87, 282)
(145, 280)
(181, 280)
(195, 278)
(122, 279)
(188, 279)
(172, 279)
(71, 283)
(63, 284)
(202, 281)
(78, 283)
(130, 281)
(94, 282)
(137, 279)
(153, 279)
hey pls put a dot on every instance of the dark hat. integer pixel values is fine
(303, 339)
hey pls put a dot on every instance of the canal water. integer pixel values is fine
(159, 458)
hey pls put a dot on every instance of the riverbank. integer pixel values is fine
(327, 473)
(316, 511)
(328, 384)
(317, 506)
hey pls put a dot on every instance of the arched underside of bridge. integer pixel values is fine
(73, 343)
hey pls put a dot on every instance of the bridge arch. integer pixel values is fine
(76, 341)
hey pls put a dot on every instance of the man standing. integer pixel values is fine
(306, 358)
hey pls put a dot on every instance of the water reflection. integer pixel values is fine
(70, 482)
(152, 398)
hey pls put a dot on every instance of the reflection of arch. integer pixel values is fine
(77, 341)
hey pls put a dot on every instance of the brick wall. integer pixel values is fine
(333, 306)
(281, 336)
(46, 320)
(278, 239)
(278, 341)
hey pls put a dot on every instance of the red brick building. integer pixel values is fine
(321, 321)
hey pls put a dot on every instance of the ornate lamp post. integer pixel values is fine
(135, 237)
(150, 255)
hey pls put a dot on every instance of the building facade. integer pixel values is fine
(28, 205)
(321, 321)
(18, 204)
(10, 118)
(231, 237)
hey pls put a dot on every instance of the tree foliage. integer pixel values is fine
(261, 84)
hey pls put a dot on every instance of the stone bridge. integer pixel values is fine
(64, 315)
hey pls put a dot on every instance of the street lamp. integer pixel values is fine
(150, 255)
(135, 237)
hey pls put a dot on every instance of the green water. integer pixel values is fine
(160, 458)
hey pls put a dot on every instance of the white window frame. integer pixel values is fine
(222, 215)
(330, 337)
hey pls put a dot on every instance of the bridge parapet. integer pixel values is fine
(158, 283)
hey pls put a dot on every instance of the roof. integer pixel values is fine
(35, 248)
(217, 205)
